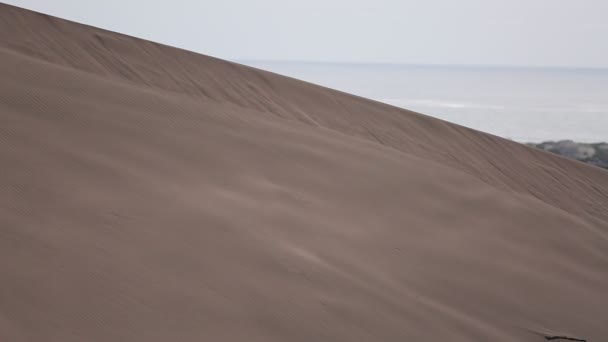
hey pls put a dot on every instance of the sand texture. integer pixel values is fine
(153, 194)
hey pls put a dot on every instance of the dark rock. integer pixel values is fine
(596, 153)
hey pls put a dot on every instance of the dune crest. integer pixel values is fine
(153, 194)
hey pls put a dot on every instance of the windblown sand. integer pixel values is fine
(152, 194)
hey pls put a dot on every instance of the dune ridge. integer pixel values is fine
(162, 67)
(151, 194)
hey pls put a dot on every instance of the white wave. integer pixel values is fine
(439, 104)
(592, 108)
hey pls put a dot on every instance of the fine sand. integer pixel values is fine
(152, 194)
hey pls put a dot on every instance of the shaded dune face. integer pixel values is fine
(148, 193)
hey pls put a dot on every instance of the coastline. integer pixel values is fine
(591, 153)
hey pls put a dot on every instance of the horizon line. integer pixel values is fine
(433, 65)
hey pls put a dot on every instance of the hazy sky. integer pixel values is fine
(496, 32)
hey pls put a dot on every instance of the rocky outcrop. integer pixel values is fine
(596, 154)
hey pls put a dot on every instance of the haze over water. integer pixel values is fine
(522, 104)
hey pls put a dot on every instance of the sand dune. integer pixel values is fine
(149, 193)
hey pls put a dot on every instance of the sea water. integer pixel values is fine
(522, 104)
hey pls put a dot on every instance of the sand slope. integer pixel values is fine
(152, 194)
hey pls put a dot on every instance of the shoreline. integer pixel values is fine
(590, 153)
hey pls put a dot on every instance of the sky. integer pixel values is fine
(548, 33)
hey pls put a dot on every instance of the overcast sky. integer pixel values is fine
(571, 33)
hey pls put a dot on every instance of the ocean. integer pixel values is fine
(522, 104)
